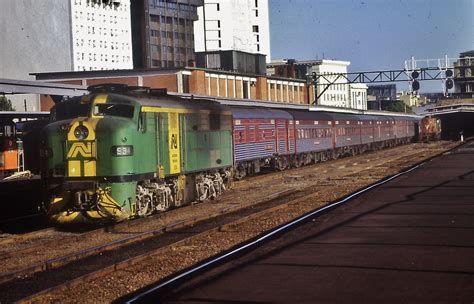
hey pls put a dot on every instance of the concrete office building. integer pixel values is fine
(337, 94)
(358, 96)
(62, 35)
(163, 32)
(233, 25)
(464, 75)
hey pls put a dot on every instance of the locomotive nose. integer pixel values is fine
(81, 148)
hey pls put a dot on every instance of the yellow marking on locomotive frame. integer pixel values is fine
(74, 168)
(174, 143)
(85, 149)
(109, 208)
(81, 155)
(90, 168)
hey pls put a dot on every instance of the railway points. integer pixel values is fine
(407, 241)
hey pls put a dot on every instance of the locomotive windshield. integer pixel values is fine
(113, 109)
(69, 110)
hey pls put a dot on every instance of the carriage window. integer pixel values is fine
(111, 109)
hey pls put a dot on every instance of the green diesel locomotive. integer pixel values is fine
(109, 156)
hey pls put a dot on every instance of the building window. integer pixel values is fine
(218, 24)
(185, 83)
(245, 89)
(220, 44)
(256, 3)
(155, 48)
(255, 28)
(258, 47)
(256, 13)
(218, 7)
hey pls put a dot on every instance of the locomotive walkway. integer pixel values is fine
(410, 240)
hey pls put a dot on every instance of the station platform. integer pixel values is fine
(410, 240)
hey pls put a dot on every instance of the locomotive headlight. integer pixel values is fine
(81, 132)
(122, 150)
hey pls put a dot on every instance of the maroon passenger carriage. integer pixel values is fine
(280, 139)
(262, 137)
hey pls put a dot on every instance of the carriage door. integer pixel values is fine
(282, 136)
(291, 138)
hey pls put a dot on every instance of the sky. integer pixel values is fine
(372, 34)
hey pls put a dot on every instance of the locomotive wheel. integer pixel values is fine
(144, 206)
(143, 201)
(240, 172)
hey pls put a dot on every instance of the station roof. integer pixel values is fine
(15, 86)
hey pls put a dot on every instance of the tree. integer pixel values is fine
(398, 106)
(5, 104)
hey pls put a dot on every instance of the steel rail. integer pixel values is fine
(261, 239)
(142, 257)
(139, 258)
(112, 245)
(60, 261)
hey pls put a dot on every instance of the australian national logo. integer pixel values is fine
(81, 149)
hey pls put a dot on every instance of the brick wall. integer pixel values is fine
(169, 82)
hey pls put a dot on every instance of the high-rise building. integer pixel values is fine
(62, 35)
(464, 74)
(163, 32)
(233, 25)
(336, 94)
(101, 35)
(331, 86)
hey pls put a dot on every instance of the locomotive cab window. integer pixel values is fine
(141, 122)
(214, 121)
(111, 109)
(69, 110)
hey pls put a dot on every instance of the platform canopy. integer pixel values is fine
(14, 86)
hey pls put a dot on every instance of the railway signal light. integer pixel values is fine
(415, 84)
(449, 83)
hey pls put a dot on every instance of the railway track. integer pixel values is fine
(151, 294)
(180, 234)
(114, 255)
(51, 237)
